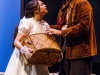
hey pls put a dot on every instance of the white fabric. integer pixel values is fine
(16, 65)
(32, 26)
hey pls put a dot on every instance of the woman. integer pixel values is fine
(30, 24)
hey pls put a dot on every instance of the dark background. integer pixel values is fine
(53, 7)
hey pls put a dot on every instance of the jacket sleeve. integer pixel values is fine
(54, 26)
(83, 21)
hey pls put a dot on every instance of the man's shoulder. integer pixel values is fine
(82, 1)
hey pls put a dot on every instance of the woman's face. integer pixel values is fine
(42, 8)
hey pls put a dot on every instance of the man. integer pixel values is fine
(78, 41)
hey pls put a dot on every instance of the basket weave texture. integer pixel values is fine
(46, 49)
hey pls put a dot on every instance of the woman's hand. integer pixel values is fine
(60, 57)
(26, 51)
(53, 31)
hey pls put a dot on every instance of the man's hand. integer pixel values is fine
(53, 31)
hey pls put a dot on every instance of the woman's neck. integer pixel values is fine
(37, 17)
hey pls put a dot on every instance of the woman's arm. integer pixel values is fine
(18, 40)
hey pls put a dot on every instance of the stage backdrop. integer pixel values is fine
(9, 18)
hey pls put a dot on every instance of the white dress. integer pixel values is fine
(16, 65)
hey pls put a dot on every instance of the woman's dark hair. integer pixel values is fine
(29, 12)
(14, 36)
(30, 8)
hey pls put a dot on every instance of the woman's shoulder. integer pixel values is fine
(25, 19)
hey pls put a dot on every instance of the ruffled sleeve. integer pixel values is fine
(24, 26)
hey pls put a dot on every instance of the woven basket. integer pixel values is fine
(46, 49)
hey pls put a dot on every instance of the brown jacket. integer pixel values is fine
(80, 34)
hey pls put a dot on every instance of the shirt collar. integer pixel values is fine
(72, 3)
